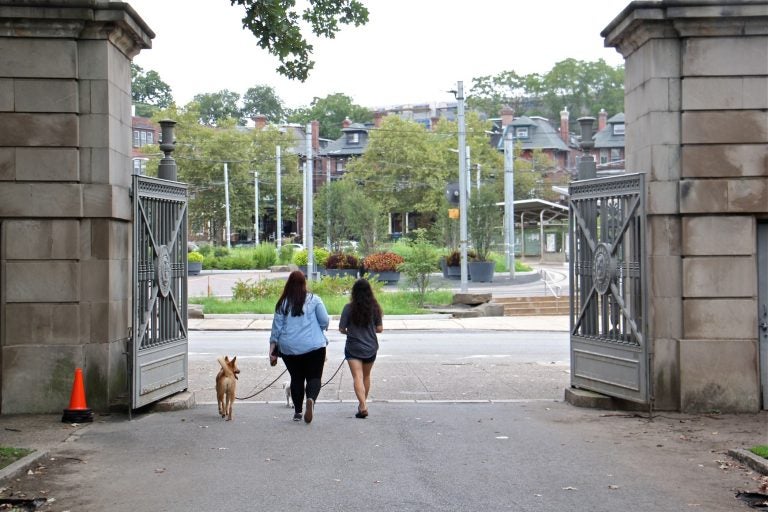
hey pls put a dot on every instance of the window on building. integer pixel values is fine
(150, 138)
(140, 166)
(353, 138)
(615, 154)
(618, 129)
(339, 166)
(136, 138)
(521, 132)
(603, 156)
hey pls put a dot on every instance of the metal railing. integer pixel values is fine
(550, 284)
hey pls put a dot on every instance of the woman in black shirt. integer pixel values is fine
(360, 321)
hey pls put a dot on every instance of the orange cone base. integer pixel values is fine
(77, 416)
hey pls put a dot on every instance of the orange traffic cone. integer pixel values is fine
(77, 412)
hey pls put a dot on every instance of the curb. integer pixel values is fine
(755, 462)
(21, 466)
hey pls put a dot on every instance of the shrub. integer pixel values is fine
(383, 262)
(220, 252)
(264, 255)
(420, 264)
(454, 257)
(340, 260)
(205, 250)
(249, 290)
(195, 257)
(286, 254)
(301, 257)
(321, 255)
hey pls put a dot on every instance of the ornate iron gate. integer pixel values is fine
(159, 342)
(609, 351)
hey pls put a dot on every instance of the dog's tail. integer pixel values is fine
(223, 362)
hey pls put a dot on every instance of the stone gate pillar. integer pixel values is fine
(65, 211)
(696, 94)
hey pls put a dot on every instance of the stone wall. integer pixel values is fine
(65, 211)
(696, 97)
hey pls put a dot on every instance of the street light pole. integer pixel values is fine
(462, 186)
(278, 191)
(509, 200)
(226, 203)
(308, 177)
(255, 208)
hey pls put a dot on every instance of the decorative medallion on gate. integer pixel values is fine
(603, 268)
(163, 270)
(609, 352)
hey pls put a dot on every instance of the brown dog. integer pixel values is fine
(226, 382)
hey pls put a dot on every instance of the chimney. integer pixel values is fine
(315, 137)
(377, 117)
(602, 120)
(346, 122)
(259, 121)
(565, 126)
(507, 116)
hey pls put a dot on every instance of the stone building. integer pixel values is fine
(696, 105)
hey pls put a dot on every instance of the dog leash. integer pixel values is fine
(283, 373)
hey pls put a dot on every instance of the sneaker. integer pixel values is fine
(308, 414)
(297, 416)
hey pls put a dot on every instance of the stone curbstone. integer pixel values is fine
(21, 466)
(755, 462)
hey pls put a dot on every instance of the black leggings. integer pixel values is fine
(305, 367)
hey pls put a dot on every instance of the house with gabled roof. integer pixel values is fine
(609, 142)
(351, 145)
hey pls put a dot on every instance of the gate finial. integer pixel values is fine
(166, 170)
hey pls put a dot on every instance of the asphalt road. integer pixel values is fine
(411, 365)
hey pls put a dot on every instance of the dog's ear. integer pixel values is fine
(226, 359)
(234, 359)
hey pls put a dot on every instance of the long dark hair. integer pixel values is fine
(294, 295)
(363, 307)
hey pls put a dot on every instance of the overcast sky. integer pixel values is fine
(411, 51)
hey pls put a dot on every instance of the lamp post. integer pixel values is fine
(226, 204)
(462, 186)
(255, 207)
(509, 200)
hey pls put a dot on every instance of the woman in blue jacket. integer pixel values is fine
(297, 334)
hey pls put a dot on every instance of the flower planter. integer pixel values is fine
(194, 267)
(481, 271)
(444, 267)
(452, 272)
(341, 272)
(387, 276)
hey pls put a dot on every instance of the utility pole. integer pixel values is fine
(478, 175)
(509, 200)
(226, 202)
(462, 186)
(328, 201)
(255, 208)
(468, 168)
(279, 207)
(308, 175)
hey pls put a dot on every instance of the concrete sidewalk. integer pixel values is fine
(397, 323)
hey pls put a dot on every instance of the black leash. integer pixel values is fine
(283, 373)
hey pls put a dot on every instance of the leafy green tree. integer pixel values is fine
(148, 91)
(200, 154)
(330, 112)
(484, 220)
(420, 262)
(402, 167)
(583, 86)
(343, 210)
(216, 107)
(262, 99)
(277, 25)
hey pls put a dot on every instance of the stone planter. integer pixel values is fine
(341, 272)
(194, 267)
(481, 271)
(452, 272)
(387, 276)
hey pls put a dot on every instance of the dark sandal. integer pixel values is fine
(361, 414)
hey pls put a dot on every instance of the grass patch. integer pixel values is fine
(393, 303)
(760, 450)
(10, 455)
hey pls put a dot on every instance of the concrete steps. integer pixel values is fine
(534, 306)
